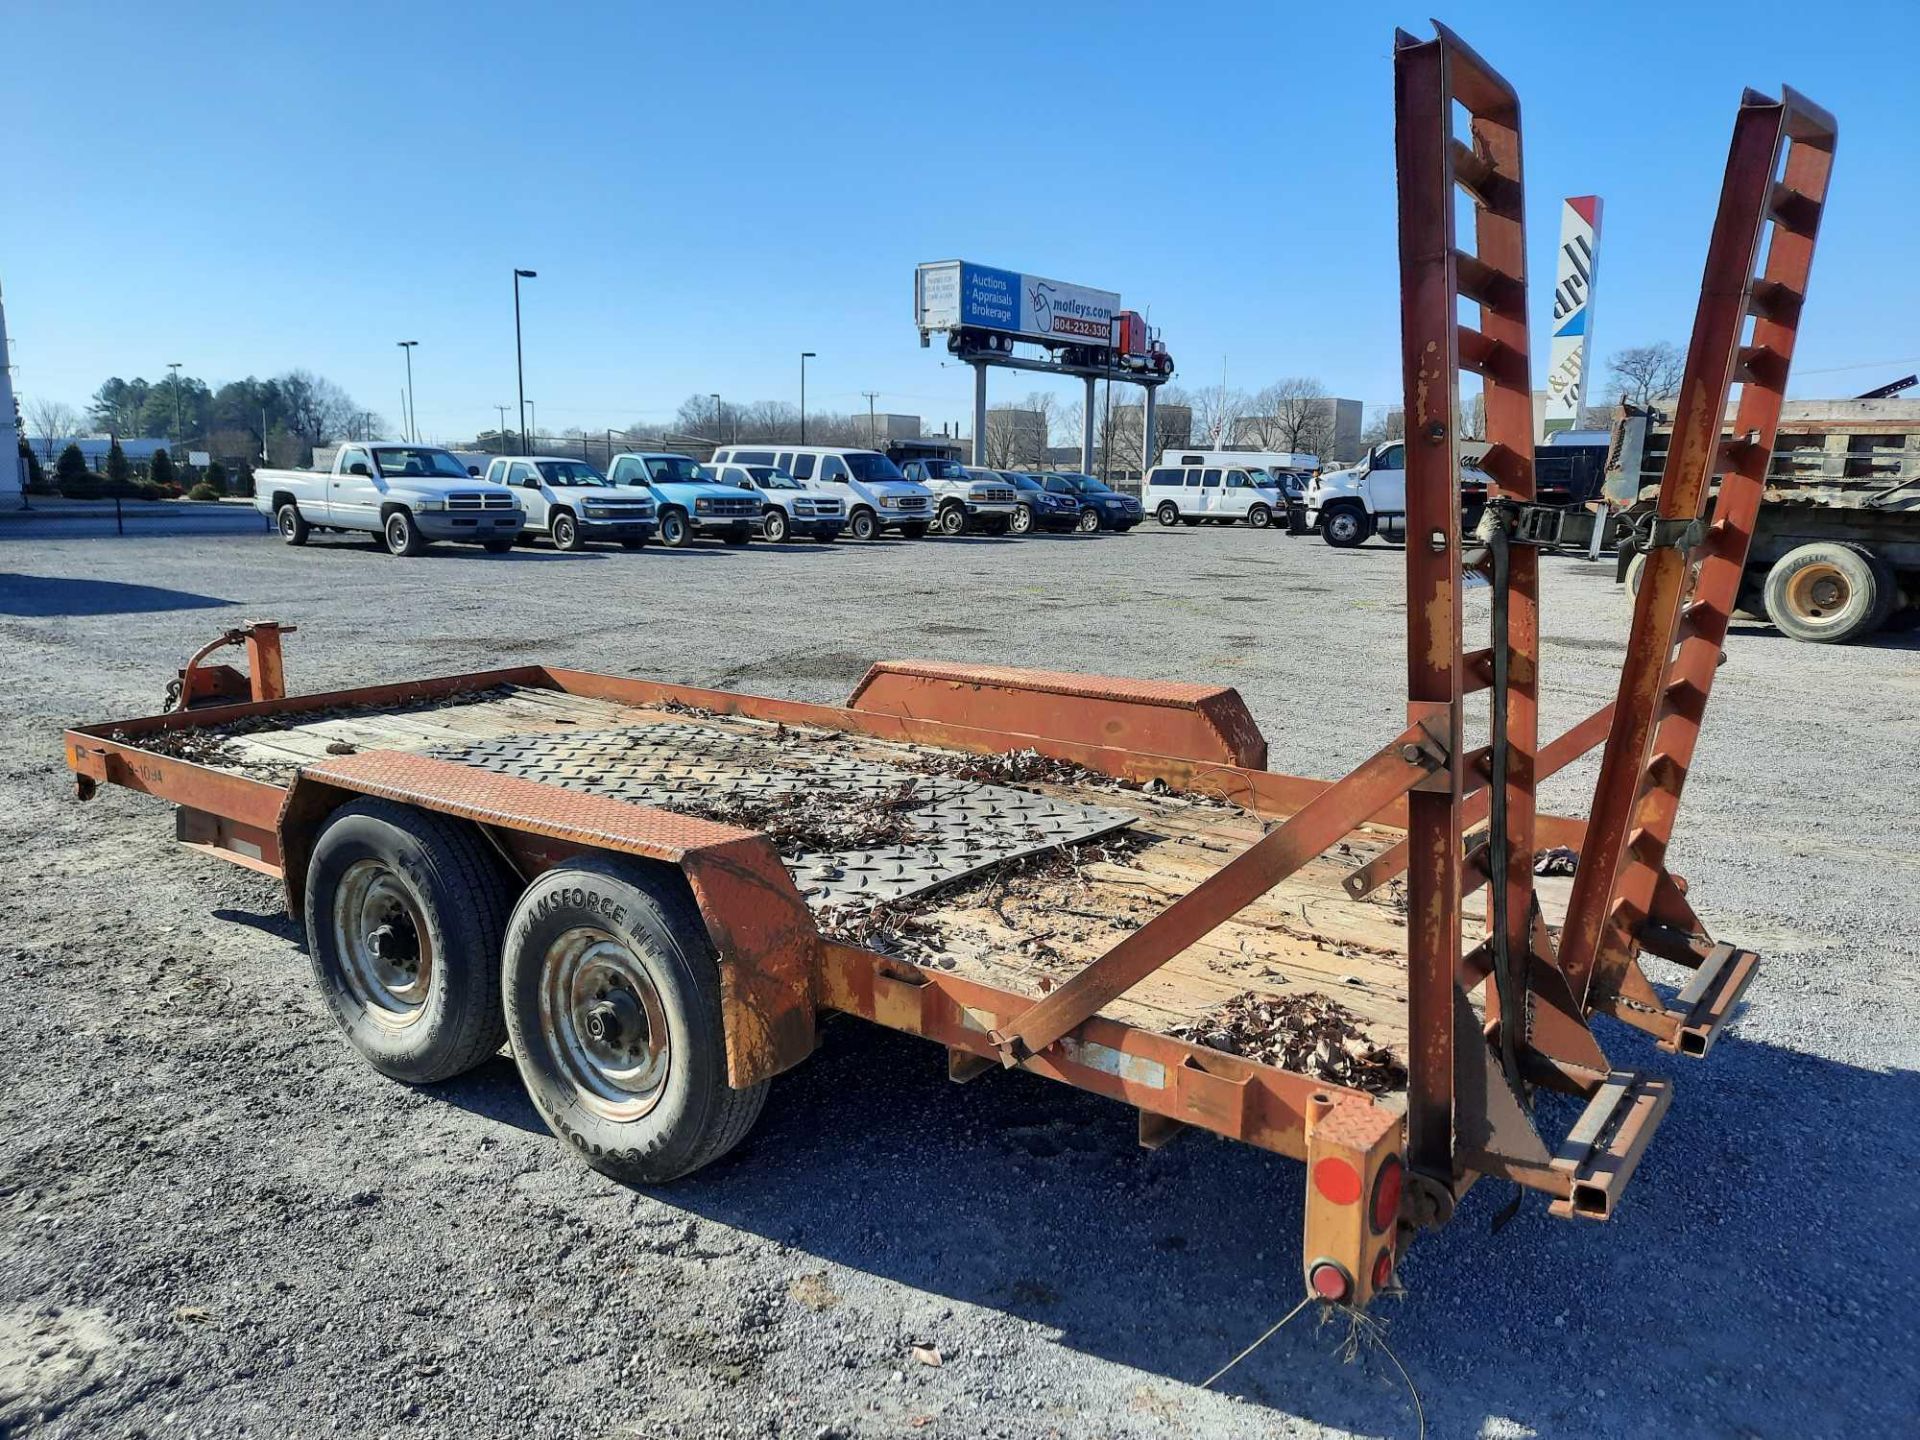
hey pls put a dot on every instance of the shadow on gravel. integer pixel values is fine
(46, 596)
(1905, 636)
(1765, 1249)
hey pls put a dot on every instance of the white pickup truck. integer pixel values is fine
(408, 495)
(1350, 505)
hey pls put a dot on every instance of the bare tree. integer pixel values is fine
(1009, 437)
(1291, 414)
(1391, 425)
(1217, 412)
(52, 421)
(1646, 373)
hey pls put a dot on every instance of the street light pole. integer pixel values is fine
(805, 355)
(413, 426)
(174, 366)
(519, 364)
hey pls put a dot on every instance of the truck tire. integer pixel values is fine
(564, 531)
(1345, 526)
(405, 914)
(1168, 514)
(1021, 521)
(497, 547)
(291, 523)
(913, 532)
(1260, 517)
(612, 997)
(862, 525)
(737, 535)
(403, 537)
(634, 542)
(1828, 593)
(1636, 567)
(1192, 521)
(952, 520)
(1088, 522)
(774, 524)
(675, 532)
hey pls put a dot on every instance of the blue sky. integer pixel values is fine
(708, 190)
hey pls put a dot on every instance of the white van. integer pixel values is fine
(1192, 486)
(877, 495)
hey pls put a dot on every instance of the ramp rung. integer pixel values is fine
(1772, 300)
(1494, 359)
(1761, 365)
(1797, 212)
(1603, 1149)
(1489, 285)
(1477, 176)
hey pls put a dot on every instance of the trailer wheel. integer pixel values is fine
(863, 524)
(1828, 594)
(612, 995)
(1168, 514)
(774, 525)
(405, 913)
(292, 524)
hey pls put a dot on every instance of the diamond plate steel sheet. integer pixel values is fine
(965, 826)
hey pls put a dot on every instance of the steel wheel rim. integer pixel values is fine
(1343, 526)
(396, 532)
(602, 1015)
(287, 518)
(386, 949)
(776, 526)
(563, 533)
(673, 530)
(1260, 519)
(952, 522)
(1820, 594)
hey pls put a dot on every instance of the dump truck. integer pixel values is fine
(654, 892)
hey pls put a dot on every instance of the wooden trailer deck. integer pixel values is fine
(1022, 925)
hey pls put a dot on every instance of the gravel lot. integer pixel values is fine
(218, 1222)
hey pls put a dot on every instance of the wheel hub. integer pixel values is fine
(605, 1022)
(381, 935)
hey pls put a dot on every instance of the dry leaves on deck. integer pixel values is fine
(1309, 1034)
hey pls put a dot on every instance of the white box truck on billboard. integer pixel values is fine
(958, 298)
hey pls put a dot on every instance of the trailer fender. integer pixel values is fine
(1188, 722)
(768, 945)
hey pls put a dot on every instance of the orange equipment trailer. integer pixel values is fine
(654, 891)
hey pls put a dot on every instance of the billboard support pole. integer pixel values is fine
(1086, 432)
(1146, 432)
(980, 412)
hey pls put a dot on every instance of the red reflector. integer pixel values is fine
(1329, 1281)
(1337, 1180)
(1386, 1195)
(1383, 1269)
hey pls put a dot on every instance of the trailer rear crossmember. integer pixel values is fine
(654, 963)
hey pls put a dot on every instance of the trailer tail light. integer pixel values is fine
(1386, 1195)
(1355, 1180)
(1330, 1281)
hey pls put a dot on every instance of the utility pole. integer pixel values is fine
(174, 366)
(413, 425)
(519, 364)
(716, 418)
(534, 413)
(805, 355)
(873, 425)
(502, 431)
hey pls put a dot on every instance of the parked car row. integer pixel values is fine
(411, 495)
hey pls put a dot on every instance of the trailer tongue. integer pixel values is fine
(655, 890)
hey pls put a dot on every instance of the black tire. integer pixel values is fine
(633, 542)
(738, 535)
(440, 898)
(402, 536)
(1168, 514)
(1636, 567)
(1191, 521)
(497, 547)
(863, 524)
(914, 532)
(675, 531)
(952, 520)
(612, 998)
(1088, 522)
(292, 524)
(1260, 517)
(826, 537)
(774, 524)
(1345, 526)
(1829, 593)
(565, 531)
(1021, 521)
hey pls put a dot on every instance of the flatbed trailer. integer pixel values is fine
(655, 891)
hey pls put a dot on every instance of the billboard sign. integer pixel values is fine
(957, 295)
(1579, 263)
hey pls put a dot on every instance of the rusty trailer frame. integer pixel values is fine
(1467, 810)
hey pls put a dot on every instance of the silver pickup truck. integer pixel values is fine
(408, 495)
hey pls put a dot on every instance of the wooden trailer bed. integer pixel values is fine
(1023, 925)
